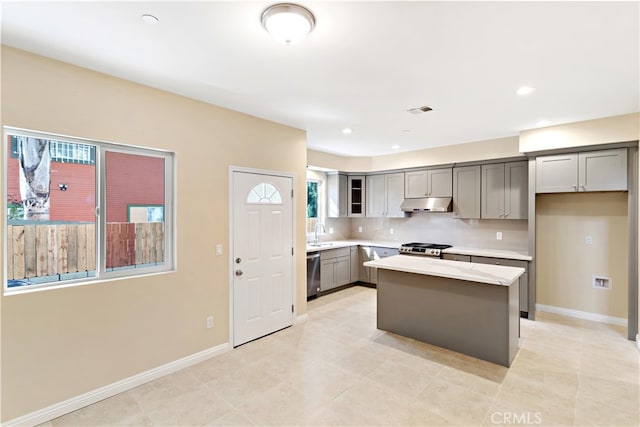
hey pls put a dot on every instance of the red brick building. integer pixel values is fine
(132, 180)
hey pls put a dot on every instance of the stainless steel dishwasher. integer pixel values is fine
(313, 274)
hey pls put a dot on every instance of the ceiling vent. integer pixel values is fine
(419, 110)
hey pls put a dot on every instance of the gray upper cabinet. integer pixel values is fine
(557, 173)
(492, 191)
(516, 185)
(337, 200)
(428, 183)
(466, 192)
(604, 170)
(385, 194)
(504, 191)
(355, 195)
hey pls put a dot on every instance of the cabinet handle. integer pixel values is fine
(583, 188)
(575, 187)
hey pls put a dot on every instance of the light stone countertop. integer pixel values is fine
(493, 253)
(336, 244)
(469, 271)
(459, 250)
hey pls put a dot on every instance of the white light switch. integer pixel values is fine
(499, 235)
(359, 229)
(218, 249)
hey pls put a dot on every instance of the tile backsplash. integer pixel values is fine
(435, 227)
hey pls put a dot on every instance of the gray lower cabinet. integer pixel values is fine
(455, 257)
(524, 279)
(364, 255)
(355, 264)
(375, 252)
(335, 268)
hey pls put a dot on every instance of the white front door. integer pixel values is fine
(262, 255)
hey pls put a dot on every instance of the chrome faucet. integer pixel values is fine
(316, 231)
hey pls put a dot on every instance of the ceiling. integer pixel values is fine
(364, 65)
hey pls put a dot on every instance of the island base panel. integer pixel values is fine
(475, 319)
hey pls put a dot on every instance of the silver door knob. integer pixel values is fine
(238, 272)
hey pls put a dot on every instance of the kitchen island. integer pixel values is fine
(465, 307)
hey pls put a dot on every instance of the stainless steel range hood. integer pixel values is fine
(427, 204)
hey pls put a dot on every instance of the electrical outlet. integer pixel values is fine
(330, 230)
(209, 322)
(588, 240)
(391, 231)
(218, 249)
(499, 235)
(359, 229)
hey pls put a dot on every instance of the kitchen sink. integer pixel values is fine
(320, 245)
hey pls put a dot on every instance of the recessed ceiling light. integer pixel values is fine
(525, 90)
(406, 131)
(543, 123)
(395, 147)
(347, 131)
(288, 22)
(150, 19)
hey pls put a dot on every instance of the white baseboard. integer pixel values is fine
(54, 411)
(582, 315)
(301, 318)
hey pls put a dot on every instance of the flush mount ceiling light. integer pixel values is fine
(288, 22)
(525, 90)
(419, 110)
(149, 18)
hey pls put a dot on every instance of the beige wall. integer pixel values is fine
(57, 344)
(607, 130)
(340, 163)
(566, 264)
(468, 152)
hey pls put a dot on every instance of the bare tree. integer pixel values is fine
(35, 177)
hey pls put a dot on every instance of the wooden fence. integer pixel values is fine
(36, 250)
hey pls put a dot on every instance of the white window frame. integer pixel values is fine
(102, 274)
(322, 211)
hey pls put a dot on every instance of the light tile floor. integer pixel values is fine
(337, 369)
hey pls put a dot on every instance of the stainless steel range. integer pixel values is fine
(425, 249)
